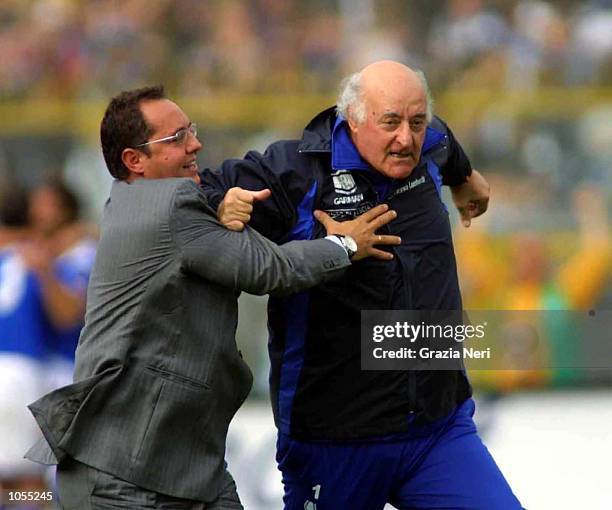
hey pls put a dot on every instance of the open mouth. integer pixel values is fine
(191, 167)
(400, 155)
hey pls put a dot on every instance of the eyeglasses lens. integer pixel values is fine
(181, 136)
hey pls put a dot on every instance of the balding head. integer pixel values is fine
(387, 106)
(379, 77)
(383, 77)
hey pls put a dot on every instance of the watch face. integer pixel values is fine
(350, 244)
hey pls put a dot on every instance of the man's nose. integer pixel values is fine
(193, 143)
(404, 135)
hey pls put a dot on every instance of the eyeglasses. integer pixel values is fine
(179, 137)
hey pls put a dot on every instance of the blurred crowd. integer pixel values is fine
(559, 277)
(93, 48)
(525, 84)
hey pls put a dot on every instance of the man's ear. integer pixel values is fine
(351, 122)
(132, 159)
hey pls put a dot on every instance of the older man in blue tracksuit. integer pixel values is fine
(348, 438)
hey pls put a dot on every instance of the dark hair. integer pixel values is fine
(14, 203)
(124, 126)
(68, 199)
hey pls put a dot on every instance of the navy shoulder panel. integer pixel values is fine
(448, 155)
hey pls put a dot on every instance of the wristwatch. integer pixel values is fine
(349, 244)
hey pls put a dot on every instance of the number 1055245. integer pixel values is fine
(30, 495)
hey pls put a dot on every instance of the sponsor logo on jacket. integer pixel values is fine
(344, 183)
(412, 184)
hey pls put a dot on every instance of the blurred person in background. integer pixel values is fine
(590, 44)
(525, 277)
(467, 42)
(61, 253)
(347, 437)
(24, 333)
(46, 256)
(577, 283)
(537, 53)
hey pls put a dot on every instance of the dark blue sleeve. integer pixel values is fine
(457, 167)
(276, 169)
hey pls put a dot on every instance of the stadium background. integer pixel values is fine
(526, 87)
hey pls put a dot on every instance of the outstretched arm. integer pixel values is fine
(472, 197)
(247, 261)
(470, 190)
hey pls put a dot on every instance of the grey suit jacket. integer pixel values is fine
(158, 376)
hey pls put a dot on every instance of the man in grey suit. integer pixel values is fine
(158, 376)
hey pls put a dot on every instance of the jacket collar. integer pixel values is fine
(317, 134)
(344, 153)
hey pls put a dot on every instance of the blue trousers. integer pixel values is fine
(443, 465)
